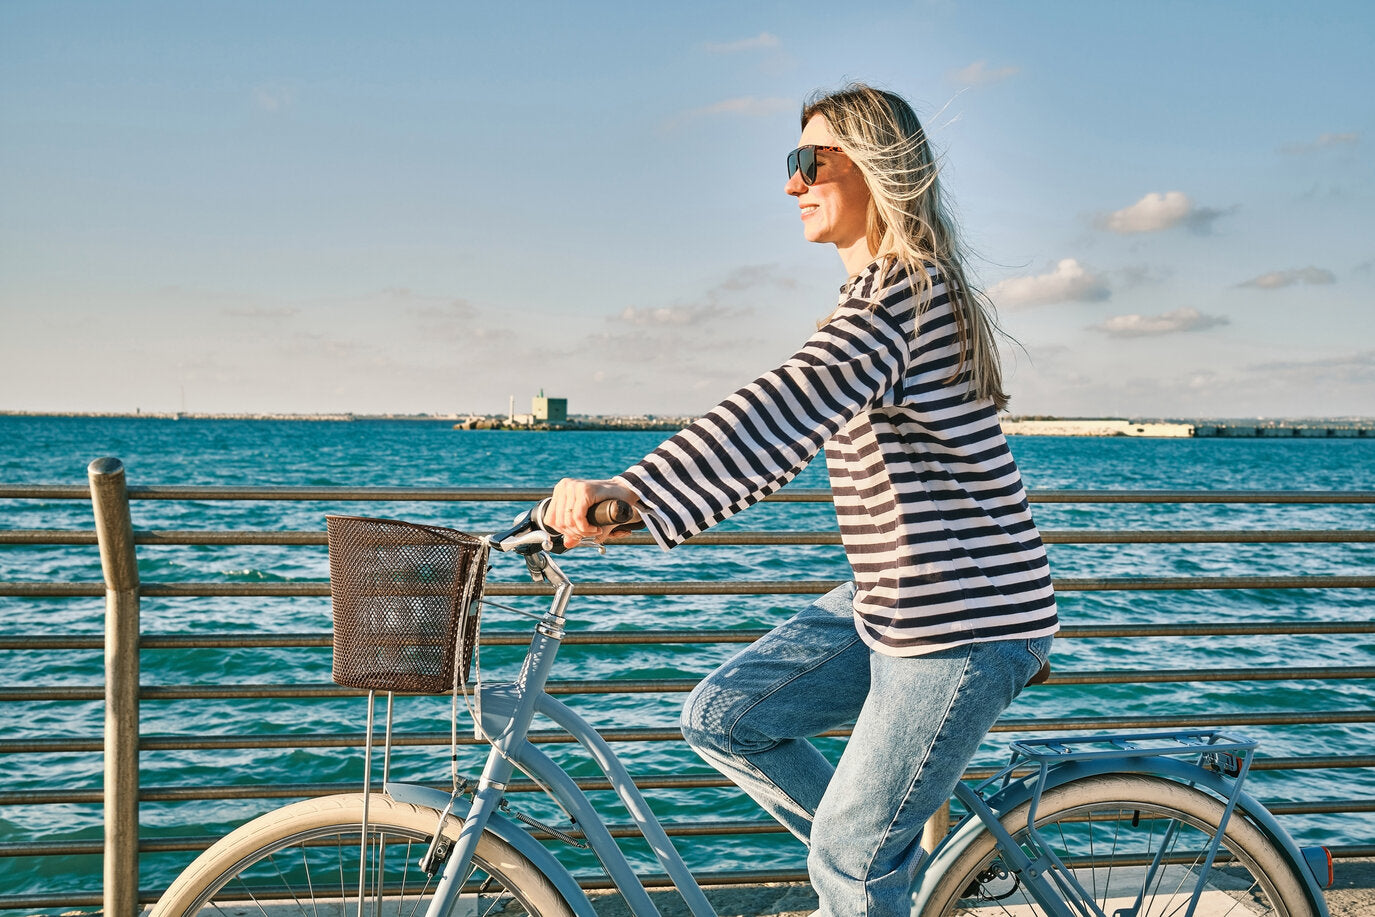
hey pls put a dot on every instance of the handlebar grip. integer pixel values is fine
(611, 512)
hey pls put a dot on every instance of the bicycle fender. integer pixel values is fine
(511, 833)
(1019, 791)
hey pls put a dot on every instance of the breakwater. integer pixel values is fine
(585, 424)
(1170, 429)
(1314, 429)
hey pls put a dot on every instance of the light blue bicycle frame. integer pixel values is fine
(505, 712)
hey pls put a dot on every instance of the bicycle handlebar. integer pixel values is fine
(608, 512)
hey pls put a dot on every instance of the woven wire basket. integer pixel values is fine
(406, 603)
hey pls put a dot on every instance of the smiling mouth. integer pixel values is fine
(809, 209)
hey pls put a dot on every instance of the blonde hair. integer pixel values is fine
(907, 222)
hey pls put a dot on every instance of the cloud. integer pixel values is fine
(450, 310)
(1070, 281)
(1135, 326)
(750, 276)
(750, 106)
(1324, 142)
(1156, 212)
(260, 312)
(1200, 220)
(274, 98)
(740, 106)
(710, 309)
(672, 315)
(1274, 280)
(761, 42)
(1152, 213)
(1135, 275)
(980, 74)
(1356, 367)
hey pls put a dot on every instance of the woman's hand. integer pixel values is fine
(567, 510)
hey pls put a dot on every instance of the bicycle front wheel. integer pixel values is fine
(308, 858)
(1109, 830)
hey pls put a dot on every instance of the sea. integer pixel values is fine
(1330, 717)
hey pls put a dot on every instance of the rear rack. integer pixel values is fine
(1132, 745)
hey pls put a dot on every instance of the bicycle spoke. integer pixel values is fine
(310, 885)
(1145, 858)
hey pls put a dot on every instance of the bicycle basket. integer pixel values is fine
(406, 603)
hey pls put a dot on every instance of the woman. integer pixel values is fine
(951, 610)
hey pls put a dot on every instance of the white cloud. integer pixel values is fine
(762, 41)
(1274, 280)
(1152, 213)
(1133, 326)
(1070, 281)
(980, 74)
(1324, 142)
(1156, 212)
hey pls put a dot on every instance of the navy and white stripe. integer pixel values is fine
(931, 507)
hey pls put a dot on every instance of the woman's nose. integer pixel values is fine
(795, 185)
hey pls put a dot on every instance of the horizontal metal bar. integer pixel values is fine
(162, 845)
(689, 587)
(173, 742)
(710, 879)
(673, 685)
(668, 685)
(667, 636)
(1068, 537)
(706, 828)
(1199, 496)
(588, 784)
(515, 494)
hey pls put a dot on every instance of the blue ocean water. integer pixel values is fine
(430, 454)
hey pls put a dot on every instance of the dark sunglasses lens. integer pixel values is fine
(792, 162)
(806, 162)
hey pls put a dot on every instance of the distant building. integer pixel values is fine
(549, 410)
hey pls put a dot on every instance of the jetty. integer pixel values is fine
(627, 424)
(1161, 428)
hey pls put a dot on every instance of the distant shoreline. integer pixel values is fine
(1013, 425)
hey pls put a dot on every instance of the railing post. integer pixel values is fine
(936, 828)
(115, 534)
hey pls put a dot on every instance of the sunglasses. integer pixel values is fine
(803, 160)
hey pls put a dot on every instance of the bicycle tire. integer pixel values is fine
(1110, 824)
(310, 852)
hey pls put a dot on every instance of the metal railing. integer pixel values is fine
(118, 544)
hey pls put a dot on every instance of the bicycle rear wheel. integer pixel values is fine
(304, 859)
(1108, 830)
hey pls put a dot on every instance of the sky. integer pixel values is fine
(434, 207)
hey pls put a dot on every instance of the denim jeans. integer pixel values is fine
(918, 721)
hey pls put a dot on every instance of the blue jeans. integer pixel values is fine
(918, 721)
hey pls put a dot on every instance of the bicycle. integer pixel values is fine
(1124, 825)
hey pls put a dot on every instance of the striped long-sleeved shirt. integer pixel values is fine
(932, 512)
